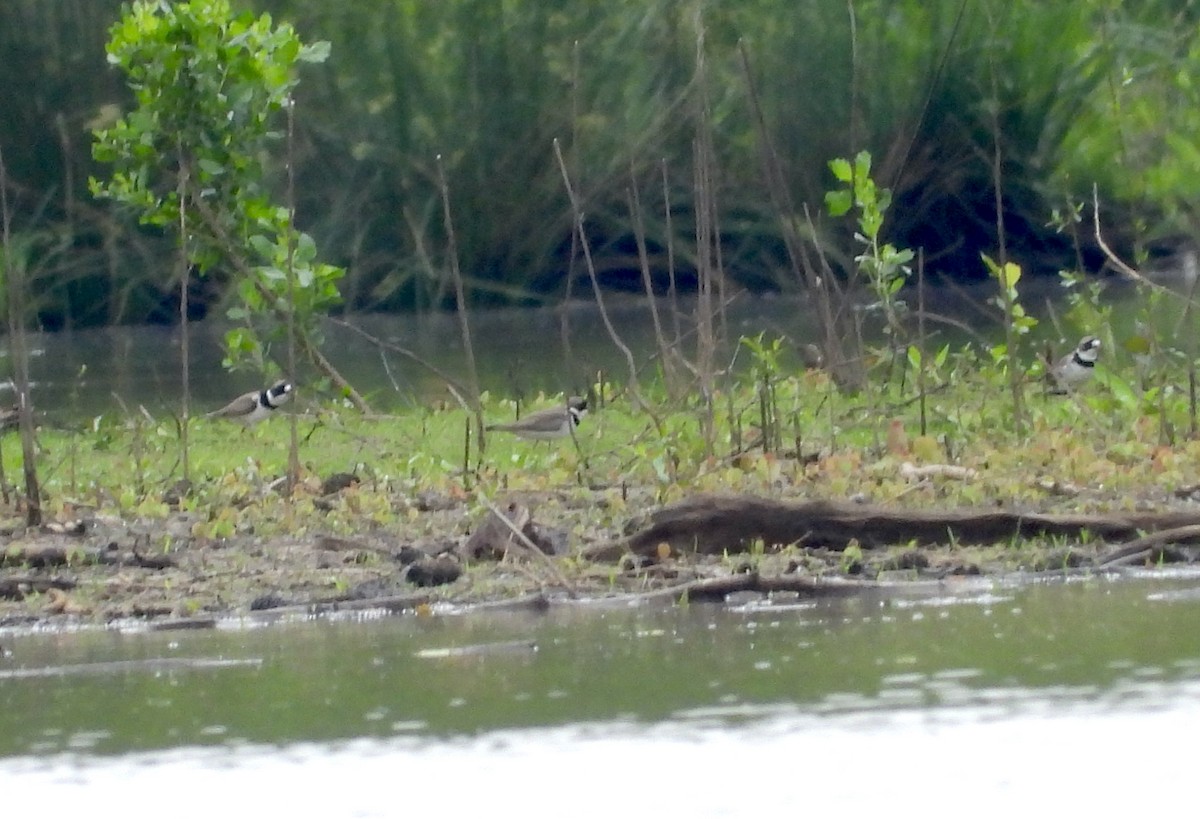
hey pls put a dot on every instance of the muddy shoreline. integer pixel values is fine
(103, 570)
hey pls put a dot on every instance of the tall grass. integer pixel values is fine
(489, 86)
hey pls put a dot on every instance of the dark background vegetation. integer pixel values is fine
(949, 96)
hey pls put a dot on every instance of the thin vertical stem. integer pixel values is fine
(460, 298)
(639, 233)
(184, 327)
(921, 337)
(293, 475)
(577, 214)
(1192, 399)
(672, 290)
(14, 277)
(706, 244)
(569, 288)
(1015, 375)
(854, 95)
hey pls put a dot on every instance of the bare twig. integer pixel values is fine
(451, 383)
(672, 289)
(577, 214)
(464, 323)
(460, 295)
(639, 233)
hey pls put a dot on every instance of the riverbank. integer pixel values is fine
(406, 511)
(451, 549)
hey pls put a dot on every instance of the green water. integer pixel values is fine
(409, 676)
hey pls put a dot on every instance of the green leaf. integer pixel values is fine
(1010, 275)
(862, 165)
(210, 167)
(263, 246)
(1007, 274)
(306, 249)
(317, 52)
(838, 203)
(841, 170)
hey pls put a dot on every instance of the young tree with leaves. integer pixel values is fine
(209, 83)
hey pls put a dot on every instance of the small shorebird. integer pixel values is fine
(256, 405)
(547, 424)
(1076, 367)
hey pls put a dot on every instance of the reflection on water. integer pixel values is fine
(942, 762)
(519, 351)
(994, 692)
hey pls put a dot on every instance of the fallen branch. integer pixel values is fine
(1142, 548)
(709, 524)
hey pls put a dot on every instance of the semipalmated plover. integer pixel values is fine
(1076, 367)
(254, 406)
(547, 424)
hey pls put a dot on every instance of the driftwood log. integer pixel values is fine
(716, 524)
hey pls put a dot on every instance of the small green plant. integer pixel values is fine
(765, 370)
(885, 266)
(852, 558)
(1084, 295)
(1017, 324)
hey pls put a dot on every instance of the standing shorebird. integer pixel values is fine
(256, 405)
(1076, 367)
(547, 424)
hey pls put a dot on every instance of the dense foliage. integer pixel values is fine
(188, 159)
(962, 105)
